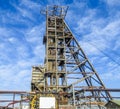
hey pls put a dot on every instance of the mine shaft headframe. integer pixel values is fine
(55, 11)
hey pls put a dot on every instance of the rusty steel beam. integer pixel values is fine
(110, 90)
(82, 97)
(13, 92)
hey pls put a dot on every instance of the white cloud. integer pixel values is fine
(27, 9)
(5, 32)
(36, 33)
(110, 76)
(89, 48)
(99, 32)
(102, 38)
(113, 2)
(13, 18)
(117, 44)
(12, 39)
(29, 4)
(39, 51)
(21, 48)
(13, 75)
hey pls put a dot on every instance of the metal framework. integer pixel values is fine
(22, 99)
(67, 69)
(67, 73)
(14, 99)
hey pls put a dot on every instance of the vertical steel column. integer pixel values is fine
(73, 95)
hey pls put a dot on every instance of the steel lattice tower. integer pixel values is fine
(67, 70)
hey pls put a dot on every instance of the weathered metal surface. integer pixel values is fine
(67, 107)
(66, 65)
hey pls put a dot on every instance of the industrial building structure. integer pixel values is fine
(67, 74)
(113, 104)
(67, 80)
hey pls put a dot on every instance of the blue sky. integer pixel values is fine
(95, 23)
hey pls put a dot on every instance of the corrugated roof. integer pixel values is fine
(116, 102)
